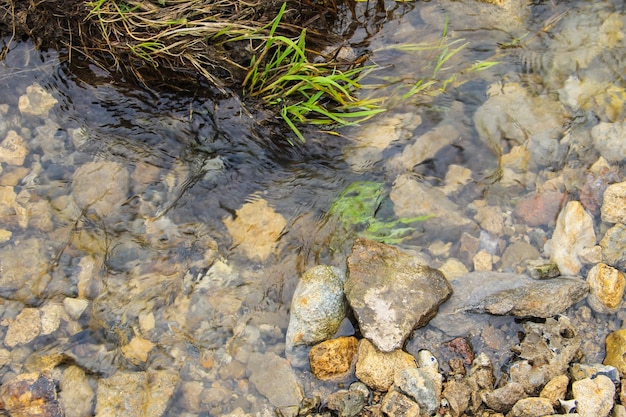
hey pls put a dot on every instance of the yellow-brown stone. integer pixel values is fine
(606, 288)
(333, 359)
(376, 369)
(616, 350)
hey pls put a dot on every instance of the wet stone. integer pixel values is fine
(29, 395)
(390, 293)
(76, 396)
(101, 186)
(318, 307)
(256, 228)
(580, 371)
(333, 359)
(13, 149)
(273, 377)
(123, 393)
(423, 385)
(396, 404)
(613, 246)
(573, 234)
(555, 389)
(36, 101)
(606, 289)
(504, 398)
(24, 329)
(376, 369)
(346, 403)
(614, 203)
(539, 209)
(456, 395)
(608, 139)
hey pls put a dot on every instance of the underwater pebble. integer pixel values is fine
(13, 149)
(573, 232)
(606, 289)
(24, 329)
(36, 101)
(614, 203)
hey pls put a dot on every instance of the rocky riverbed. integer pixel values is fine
(477, 270)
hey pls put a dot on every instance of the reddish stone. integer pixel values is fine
(461, 347)
(540, 209)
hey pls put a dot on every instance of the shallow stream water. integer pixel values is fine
(155, 237)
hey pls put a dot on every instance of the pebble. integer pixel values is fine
(456, 396)
(594, 397)
(597, 179)
(606, 289)
(76, 396)
(377, 369)
(573, 233)
(390, 293)
(318, 307)
(504, 398)
(516, 254)
(121, 394)
(347, 403)
(101, 186)
(75, 307)
(423, 385)
(334, 358)
(613, 246)
(614, 203)
(582, 370)
(555, 389)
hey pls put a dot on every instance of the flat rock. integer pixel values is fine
(36, 101)
(273, 377)
(24, 329)
(608, 139)
(390, 293)
(504, 294)
(122, 393)
(613, 246)
(101, 186)
(539, 209)
(532, 407)
(13, 149)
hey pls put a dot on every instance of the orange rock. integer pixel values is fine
(334, 358)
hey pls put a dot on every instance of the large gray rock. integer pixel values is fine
(504, 294)
(317, 308)
(391, 294)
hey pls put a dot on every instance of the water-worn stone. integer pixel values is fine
(614, 203)
(540, 209)
(317, 308)
(273, 377)
(333, 359)
(395, 404)
(390, 293)
(24, 329)
(598, 177)
(76, 396)
(572, 235)
(30, 395)
(256, 229)
(608, 139)
(594, 397)
(122, 393)
(583, 370)
(616, 350)
(13, 149)
(606, 288)
(532, 407)
(504, 293)
(504, 398)
(36, 101)
(101, 186)
(377, 369)
(555, 389)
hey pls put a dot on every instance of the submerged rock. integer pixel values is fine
(614, 203)
(29, 395)
(390, 293)
(317, 309)
(608, 139)
(504, 294)
(101, 186)
(13, 149)
(273, 377)
(613, 246)
(36, 101)
(572, 235)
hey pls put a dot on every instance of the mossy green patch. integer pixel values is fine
(356, 210)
